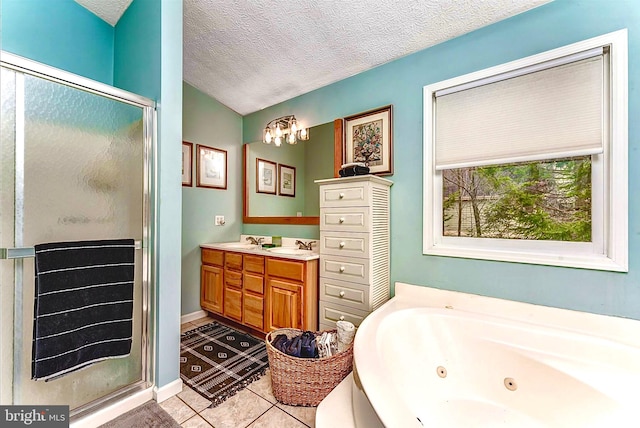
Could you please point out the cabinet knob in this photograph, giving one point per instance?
(341, 219)
(341, 269)
(342, 294)
(341, 317)
(341, 195)
(342, 244)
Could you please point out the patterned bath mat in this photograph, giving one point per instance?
(218, 361)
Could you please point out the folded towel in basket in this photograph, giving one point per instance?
(83, 304)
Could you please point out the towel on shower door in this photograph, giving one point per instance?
(83, 304)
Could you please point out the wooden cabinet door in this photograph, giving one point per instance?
(254, 311)
(233, 303)
(211, 288)
(284, 302)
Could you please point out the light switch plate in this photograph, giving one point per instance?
(219, 220)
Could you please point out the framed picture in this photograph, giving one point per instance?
(287, 180)
(211, 167)
(187, 158)
(368, 139)
(266, 176)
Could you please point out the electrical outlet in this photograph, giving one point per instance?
(219, 221)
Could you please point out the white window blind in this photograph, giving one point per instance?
(552, 113)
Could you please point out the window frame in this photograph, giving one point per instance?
(609, 247)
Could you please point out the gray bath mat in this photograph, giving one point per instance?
(149, 415)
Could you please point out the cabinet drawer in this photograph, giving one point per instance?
(343, 195)
(285, 269)
(212, 257)
(345, 293)
(351, 244)
(254, 283)
(330, 313)
(354, 219)
(254, 264)
(345, 269)
(233, 279)
(233, 261)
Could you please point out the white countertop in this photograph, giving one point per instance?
(242, 247)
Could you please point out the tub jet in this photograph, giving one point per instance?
(442, 372)
(510, 384)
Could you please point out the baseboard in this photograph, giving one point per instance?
(192, 316)
(107, 414)
(169, 390)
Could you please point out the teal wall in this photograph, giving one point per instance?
(206, 121)
(169, 191)
(400, 83)
(136, 62)
(59, 33)
(147, 60)
(319, 164)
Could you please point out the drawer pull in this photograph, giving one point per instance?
(341, 219)
(341, 317)
(341, 269)
(341, 195)
(342, 294)
(342, 245)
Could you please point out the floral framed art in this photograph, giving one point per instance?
(286, 180)
(368, 139)
(187, 159)
(211, 167)
(266, 177)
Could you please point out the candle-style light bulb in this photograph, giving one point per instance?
(267, 137)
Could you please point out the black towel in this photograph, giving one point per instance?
(83, 304)
(350, 171)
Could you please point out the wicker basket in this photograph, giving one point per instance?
(305, 381)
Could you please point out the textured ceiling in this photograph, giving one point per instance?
(251, 54)
(108, 10)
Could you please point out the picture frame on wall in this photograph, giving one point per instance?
(187, 159)
(368, 138)
(286, 180)
(211, 167)
(266, 178)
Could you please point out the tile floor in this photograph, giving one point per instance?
(253, 407)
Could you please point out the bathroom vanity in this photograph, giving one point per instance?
(260, 289)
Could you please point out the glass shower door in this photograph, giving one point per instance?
(72, 168)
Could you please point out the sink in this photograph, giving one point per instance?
(286, 250)
(239, 245)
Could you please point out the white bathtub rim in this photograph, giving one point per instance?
(617, 329)
(388, 404)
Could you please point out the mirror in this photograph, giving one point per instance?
(312, 159)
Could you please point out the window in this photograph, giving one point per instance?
(527, 161)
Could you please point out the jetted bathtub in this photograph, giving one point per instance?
(436, 358)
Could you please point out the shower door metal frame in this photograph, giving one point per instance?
(24, 66)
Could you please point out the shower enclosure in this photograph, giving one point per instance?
(75, 164)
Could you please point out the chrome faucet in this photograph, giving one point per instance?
(255, 241)
(305, 245)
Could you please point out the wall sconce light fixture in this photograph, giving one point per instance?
(285, 128)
